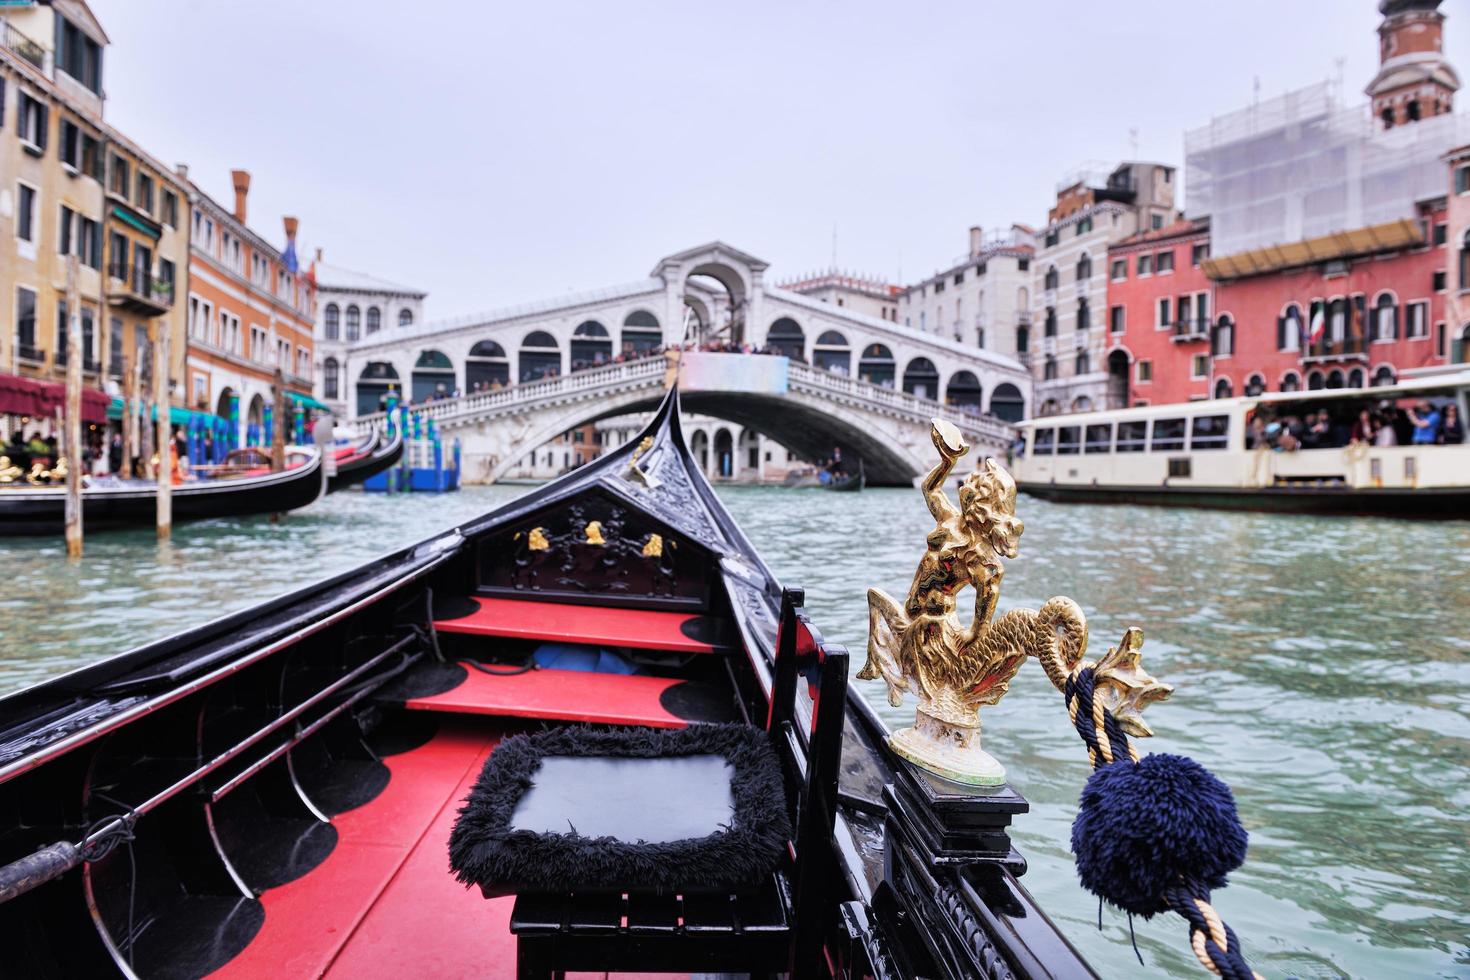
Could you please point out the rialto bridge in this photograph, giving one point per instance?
(508, 381)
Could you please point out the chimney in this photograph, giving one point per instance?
(182, 169)
(976, 234)
(241, 179)
(291, 225)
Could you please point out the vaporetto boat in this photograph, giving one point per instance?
(1260, 453)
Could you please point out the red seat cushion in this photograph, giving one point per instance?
(644, 629)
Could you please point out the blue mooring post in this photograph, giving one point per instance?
(267, 425)
(298, 425)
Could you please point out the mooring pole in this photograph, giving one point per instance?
(73, 434)
(164, 437)
(278, 425)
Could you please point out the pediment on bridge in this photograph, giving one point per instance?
(713, 253)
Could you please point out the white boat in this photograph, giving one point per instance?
(1260, 453)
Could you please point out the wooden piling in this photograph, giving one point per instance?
(278, 424)
(72, 436)
(164, 438)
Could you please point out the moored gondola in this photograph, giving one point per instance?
(848, 482)
(369, 458)
(31, 510)
(276, 792)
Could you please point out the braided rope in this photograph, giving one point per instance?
(1213, 941)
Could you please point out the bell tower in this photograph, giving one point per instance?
(1414, 80)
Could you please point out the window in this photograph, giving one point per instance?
(1084, 268)
(1082, 364)
(354, 323)
(1441, 233)
(70, 151)
(405, 317)
(1291, 381)
(1385, 319)
(1043, 442)
(1069, 439)
(25, 213)
(1164, 262)
(144, 200)
(330, 328)
(1289, 329)
(78, 55)
(1418, 320)
(1145, 265)
(121, 176)
(1052, 237)
(1462, 179)
(1119, 271)
(1023, 265)
(1209, 432)
(1051, 321)
(1438, 279)
(1198, 253)
(1084, 225)
(1162, 319)
(1132, 436)
(92, 157)
(114, 348)
(89, 340)
(1117, 319)
(1222, 342)
(1084, 315)
(374, 319)
(61, 331)
(1051, 278)
(64, 239)
(1049, 369)
(166, 276)
(1179, 467)
(959, 277)
(171, 209)
(30, 122)
(1254, 385)
(1199, 367)
(89, 241)
(1098, 438)
(117, 258)
(1168, 435)
(1156, 222)
(329, 377)
(25, 323)
(1182, 306)
(1145, 371)
(257, 345)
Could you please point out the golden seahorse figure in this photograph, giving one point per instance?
(921, 645)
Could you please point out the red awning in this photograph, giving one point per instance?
(41, 399)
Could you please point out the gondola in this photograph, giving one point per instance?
(279, 792)
(848, 483)
(366, 459)
(30, 510)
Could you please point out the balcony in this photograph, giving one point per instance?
(89, 365)
(27, 48)
(1186, 331)
(1344, 349)
(139, 292)
(30, 354)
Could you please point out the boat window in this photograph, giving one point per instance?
(1099, 438)
(1069, 439)
(1179, 466)
(1168, 434)
(1132, 436)
(1044, 442)
(1209, 432)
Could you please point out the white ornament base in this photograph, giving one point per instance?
(951, 752)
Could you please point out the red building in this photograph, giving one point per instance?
(1159, 316)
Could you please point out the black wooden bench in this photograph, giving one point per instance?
(775, 928)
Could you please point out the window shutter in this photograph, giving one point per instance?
(1281, 322)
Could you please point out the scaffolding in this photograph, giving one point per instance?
(1302, 165)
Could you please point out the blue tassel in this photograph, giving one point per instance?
(1142, 827)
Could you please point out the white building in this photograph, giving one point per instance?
(868, 295)
(982, 300)
(354, 307)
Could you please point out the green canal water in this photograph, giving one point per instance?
(1321, 667)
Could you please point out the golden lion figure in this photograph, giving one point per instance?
(922, 645)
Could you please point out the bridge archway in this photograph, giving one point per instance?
(724, 453)
(591, 345)
(1007, 403)
(921, 378)
(433, 376)
(540, 357)
(376, 381)
(964, 391)
(876, 366)
(832, 353)
(486, 367)
(787, 337)
(641, 332)
(699, 447)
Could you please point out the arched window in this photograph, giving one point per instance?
(405, 317)
(331, 327)
(1222, 343)
(378, 380)
(876, 365)
(1461, 348)
(1006, 402)
(1084, 268)
(1335, 378)
(329, 378)
(486, 368)
(1289, 329)
(1355, 378)
(1385, 318)
(1051, 321)
(1023, 339)
(539, 357)
(354, 323)
(1223, 388)
(1049, 370)
(1291, 381)
(1023, 298)
(1316, 380)
(786, 337)
(831, 353)
(374, 319)
(1465, 261)
(963, 391)
(1084, 314)
(640, 332)
(433, 376)
(1254, 385)
(1082, 364)
(1051, 277)
(921, 378)
(591, 345)
(1383, 377)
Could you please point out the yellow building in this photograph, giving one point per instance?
(71, 185)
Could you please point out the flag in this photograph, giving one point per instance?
(1319, 323)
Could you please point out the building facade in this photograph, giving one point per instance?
(868, 295)
(1069, 337)
(983, 299)
(250, 312)
(352, 308)
(74, 186)
(1456, 343)
(1414, 80)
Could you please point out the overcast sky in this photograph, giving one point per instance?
(494, 153)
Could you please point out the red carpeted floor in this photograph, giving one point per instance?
(562, 695)
(644, 629)
(384, 904)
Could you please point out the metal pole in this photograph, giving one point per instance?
(278, 425)
(163, 438)
(73, 434)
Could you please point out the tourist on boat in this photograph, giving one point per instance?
(1451, 429)
(1425, 419)
(1364, 428)
(1386, 434)
(19, 454)
(1318, 434)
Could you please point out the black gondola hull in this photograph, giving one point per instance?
(380, 457)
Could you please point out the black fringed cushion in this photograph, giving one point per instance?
(581, 808)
